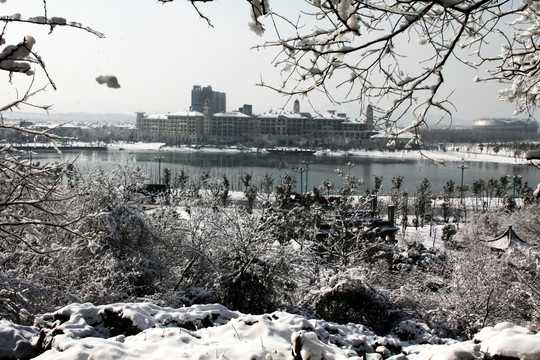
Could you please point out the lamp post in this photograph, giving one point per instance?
(301, 169)
(515, 177)
(159, 158)
(307, 174)
(462, 166)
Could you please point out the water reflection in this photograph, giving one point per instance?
(234, 165)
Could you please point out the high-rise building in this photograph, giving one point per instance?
(246, 109)
(199, 95)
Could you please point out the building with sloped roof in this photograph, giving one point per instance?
(277, 126)
(509, 241)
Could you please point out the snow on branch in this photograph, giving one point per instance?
(259, 8)
(19, 58)
(110, 80)
(357, 51)
(52, 22)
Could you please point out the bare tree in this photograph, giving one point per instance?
(29, 190)
(21, 57)
(34, 203)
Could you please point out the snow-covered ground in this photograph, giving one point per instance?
(147, 331)
(456, 153)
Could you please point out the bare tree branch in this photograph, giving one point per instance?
(364, 44)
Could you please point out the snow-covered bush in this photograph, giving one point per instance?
(34, 218)
(255, 271)
(416, 332)
(448, 231)
(224, 254)
(483, 288)
(120, 238)
(108, 254)
(351, 299)
(417, 257)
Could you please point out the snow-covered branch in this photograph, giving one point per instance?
(357, 51)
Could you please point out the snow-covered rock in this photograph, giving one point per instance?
(148, 331)
(18, 341)
(509, 341)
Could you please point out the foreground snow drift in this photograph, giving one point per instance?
(147, 331)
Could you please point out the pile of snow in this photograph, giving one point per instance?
(148, 331)
(509, 341)
(110, 80)
(18, 341)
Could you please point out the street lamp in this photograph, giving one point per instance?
(303, 186)
(159, 158)
(516, 177)
(301, 169)
(462, 166)
(307, 174)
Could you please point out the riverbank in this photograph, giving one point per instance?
(453, 153)
(450, 153)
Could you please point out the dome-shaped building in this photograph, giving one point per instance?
(502, 124)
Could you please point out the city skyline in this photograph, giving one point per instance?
(158, 51)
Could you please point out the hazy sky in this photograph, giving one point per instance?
(159, 51)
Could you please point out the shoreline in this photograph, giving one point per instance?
(458, 152)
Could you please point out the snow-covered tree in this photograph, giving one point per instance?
(448, 196)
(422, 202)
(29, 190)
(36, 211)
(86, 241)
(35, 217)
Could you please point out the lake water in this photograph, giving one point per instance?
(234, 165)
